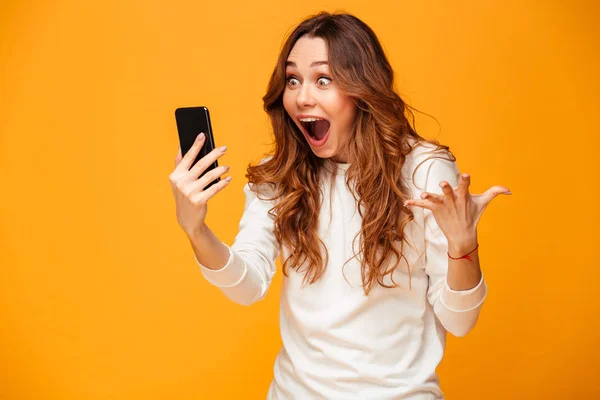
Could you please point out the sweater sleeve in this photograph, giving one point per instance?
(457, 311)
(249, 271)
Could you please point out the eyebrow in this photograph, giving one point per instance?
(314, 64)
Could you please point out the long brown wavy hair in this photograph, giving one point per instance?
(378, 148)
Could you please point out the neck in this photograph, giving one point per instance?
(338, 160)
(341, 159)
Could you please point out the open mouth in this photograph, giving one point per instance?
(316, 128)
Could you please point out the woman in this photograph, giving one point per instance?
(376, 227)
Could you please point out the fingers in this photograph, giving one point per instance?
(427, 204)
(434, 198)
(206, 161)
(447, 189)
(200, 184)
(463, 185)
(178, 158)
(187, 161)
(213, 190)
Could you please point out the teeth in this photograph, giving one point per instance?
(310, 119)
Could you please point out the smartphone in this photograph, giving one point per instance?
(191, 121)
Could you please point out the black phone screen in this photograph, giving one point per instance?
(190, 122)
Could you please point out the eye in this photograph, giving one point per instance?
(323, 81)
(293, 81)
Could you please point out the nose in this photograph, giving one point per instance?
(305, 96)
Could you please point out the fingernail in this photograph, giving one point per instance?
(200, 136)
(223, 149)
(228, 179)
(509, 192)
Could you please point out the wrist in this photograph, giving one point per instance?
(198, 232)
(460, 247)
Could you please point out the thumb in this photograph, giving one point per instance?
(492, 192)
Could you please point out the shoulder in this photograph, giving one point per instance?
(422, 151)
(427, 164)
(262, 191)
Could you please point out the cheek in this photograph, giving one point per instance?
(346, 110)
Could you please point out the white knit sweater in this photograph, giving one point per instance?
(337, 342)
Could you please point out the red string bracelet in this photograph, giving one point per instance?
(466, 256)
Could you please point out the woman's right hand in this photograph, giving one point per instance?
(190, 197)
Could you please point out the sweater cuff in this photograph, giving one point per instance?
(463, 300)
(230, 275)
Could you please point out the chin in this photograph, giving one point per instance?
(324, 152)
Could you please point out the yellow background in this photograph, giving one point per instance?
(99, 294)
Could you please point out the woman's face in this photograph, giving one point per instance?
(312, 99)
